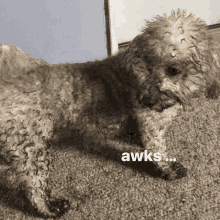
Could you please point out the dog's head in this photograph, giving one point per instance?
(179, 59)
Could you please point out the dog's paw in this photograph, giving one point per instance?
(59, 207)
(173, 171)
(53, 208)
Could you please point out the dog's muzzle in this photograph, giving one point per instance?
(160, 101)
(173, 91)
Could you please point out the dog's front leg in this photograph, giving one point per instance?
(152, 127)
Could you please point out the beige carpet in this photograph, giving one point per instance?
(99, 186)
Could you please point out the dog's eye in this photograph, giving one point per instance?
(173, 71)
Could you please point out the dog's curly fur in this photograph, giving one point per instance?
(163, 68)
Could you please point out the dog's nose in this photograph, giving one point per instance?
(148, 101)
(151, 103)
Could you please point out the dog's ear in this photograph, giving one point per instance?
(213, 90)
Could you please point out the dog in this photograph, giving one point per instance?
(152, 81)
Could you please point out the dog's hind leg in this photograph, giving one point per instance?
(24, 147)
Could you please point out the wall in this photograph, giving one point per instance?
(57, 31)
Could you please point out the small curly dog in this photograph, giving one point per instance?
(151, 81)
